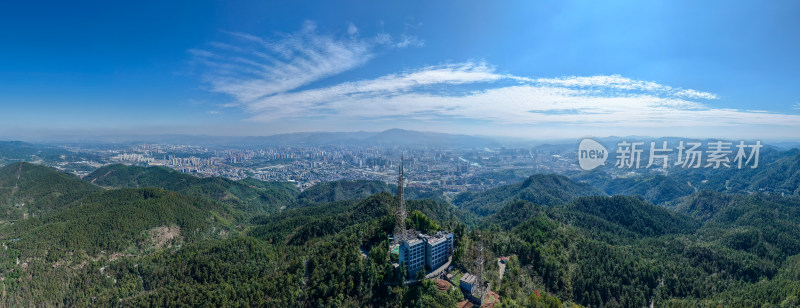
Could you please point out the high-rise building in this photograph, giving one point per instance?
(438, 249)
(421, 251)
(412, 253)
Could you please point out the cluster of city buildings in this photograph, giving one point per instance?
(446, 169)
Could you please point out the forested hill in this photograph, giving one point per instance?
(248, 195)
(341, 190)
(32, 190)
(616, 216)
(358, 189)
(778, 172)
(633, 214)
(198, 242)
(41, 256)
(539, 189)
(704, 204)
(299, 225)
(658, 189)
(759, 223)
(781, 176)
(114, 220)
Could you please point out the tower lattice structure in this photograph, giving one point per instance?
(400, 217)
(479, 289)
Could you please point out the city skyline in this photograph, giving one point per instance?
(532, 70)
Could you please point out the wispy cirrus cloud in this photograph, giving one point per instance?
(438, 92)
(267, 79)
(254, 67)
(621, 83)
(310, 102)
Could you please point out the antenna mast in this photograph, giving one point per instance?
(400, 223)
(478, 290)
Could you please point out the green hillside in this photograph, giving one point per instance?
(297, 226)
(247, 195)
(609, 218)
(342, 190)
(201, 244)
(781, 176)
(358, 189)
(105, 226)
(704, 204)
(539, 189)
(633, 214)
(778, 172)
(114, 220)
(28, 190)
(658, 189)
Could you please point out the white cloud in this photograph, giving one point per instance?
(255, 67)
(689, 93)
(622, 83)
(269, 79)
(797, 106)
(432, 94)
(305, 102)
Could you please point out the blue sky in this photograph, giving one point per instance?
(527, 69)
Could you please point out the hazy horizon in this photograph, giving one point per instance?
(210, 138)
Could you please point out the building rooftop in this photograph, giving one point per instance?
(414, 241)
(413, 237)
(438, 237)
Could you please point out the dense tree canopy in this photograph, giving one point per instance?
(170, 239)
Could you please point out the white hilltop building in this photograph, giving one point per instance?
(417, 251)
